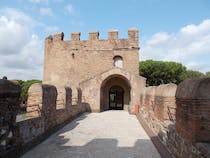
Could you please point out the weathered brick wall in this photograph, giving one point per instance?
(93, 90)
(159, 101)
(9, 107)
(56, 109)
(193, 110)
(148, 98)
(22, 133)
(61, 98)
(181, 135)
(30, 129)
(168, 135)
(49, 105)
(164, 108)
(76, 60)
(34, 103)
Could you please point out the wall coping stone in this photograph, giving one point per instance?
(8, 87)
(194, 89)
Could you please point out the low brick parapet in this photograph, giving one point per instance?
(193, 110)
(160, 101)
(9, 107)
(49, 107)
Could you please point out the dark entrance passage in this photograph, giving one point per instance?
(115, 93)
(116, 98)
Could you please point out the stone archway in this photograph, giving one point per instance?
(115, 93)
(96, 89)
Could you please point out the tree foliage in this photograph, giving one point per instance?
(160, 72)
(4, 77)
(25, 86)
(191, 74)
(208, 74)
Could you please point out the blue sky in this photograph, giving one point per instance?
(170, 30)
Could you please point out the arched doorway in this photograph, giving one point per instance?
(115, 93)
(116, 98)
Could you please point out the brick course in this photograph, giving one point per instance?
(17, 135)
(76, 60)
(186, 135)
(9, 107)
(193, 110)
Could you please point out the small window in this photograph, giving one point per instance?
(118, 61)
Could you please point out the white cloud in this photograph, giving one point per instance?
(10, 42)
(21, 53)
(16, 15)
(158, 38)
(46, 11)
(69, 8)
(186, 46)
(200, 29)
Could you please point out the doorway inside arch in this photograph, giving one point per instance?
(115, 93)
(116, 98)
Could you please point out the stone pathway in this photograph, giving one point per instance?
(110, 134)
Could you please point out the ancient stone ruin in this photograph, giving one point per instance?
(95, 75)
(102, 69)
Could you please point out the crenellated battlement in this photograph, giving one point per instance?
(75, 36)
(60, 98)
(75, 60)
(94, 36)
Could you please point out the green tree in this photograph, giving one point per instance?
(4, 77)
(160, 72)
(25, 86)
(20, 82)
(208, 74)
(191, 74)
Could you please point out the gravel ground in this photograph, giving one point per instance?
(110, 134)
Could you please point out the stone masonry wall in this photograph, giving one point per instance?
(193, 110)
(174, 132)
(19, 134)
(9, 107)
(92, 88)
(34, 104)
(159, 101)
(77, 60)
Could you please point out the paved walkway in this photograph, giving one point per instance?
(111, 134)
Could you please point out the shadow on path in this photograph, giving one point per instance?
(71, 142)
(97, 148)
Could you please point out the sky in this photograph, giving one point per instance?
(170, 30)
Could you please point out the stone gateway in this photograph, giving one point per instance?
(100, 75)
(106, 71)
